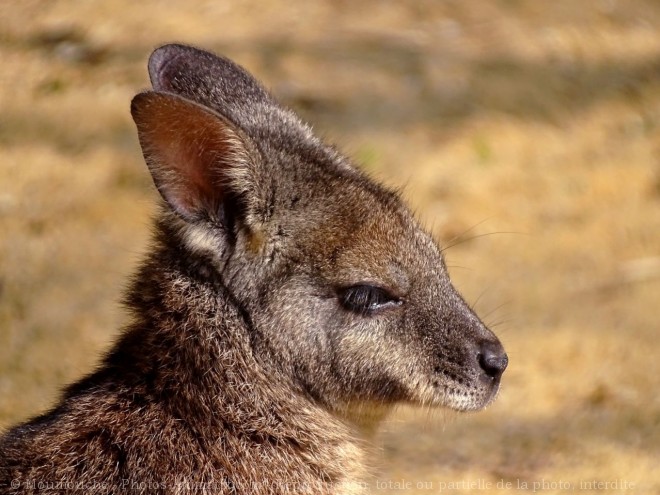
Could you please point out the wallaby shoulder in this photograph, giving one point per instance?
(183, 379)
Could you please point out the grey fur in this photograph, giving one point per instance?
(288, 302)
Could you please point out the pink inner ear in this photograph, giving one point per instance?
(189, 151)
(187, 167)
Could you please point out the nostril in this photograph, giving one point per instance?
(493, 360)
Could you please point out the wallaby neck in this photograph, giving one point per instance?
(198, 337)
(191, 346)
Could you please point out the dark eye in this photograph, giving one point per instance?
(365, 299)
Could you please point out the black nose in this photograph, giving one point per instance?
(492, 359)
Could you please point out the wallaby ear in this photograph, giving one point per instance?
(199, 162)
(208, 79)
(224, 86)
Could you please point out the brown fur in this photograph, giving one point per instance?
(287, 304)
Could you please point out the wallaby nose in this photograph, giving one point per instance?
(492, 359)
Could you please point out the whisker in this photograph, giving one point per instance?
(473, 305)
(496, 308)
(458, 236)
(500, 322)
(461, 241)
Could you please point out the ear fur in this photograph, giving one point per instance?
(224, 86)
(200, 163)
(211, 80)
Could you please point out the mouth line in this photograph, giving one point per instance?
(458, 396)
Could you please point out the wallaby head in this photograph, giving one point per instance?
(348, 299)
(287, 303)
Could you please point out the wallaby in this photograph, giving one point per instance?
(287, 304)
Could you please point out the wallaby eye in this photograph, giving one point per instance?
(366, 299)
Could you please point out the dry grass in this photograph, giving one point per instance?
(536, 122)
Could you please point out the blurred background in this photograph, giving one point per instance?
(526, 133)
